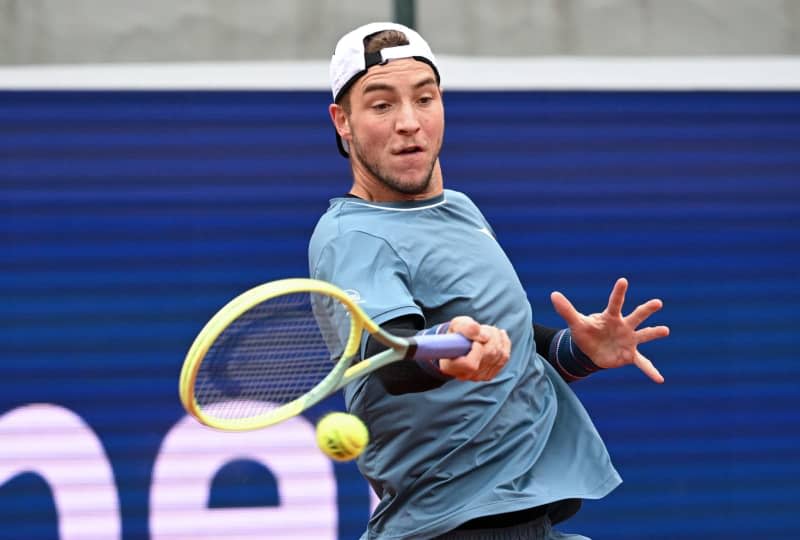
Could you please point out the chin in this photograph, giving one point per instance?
(414, 187)
(415, 175)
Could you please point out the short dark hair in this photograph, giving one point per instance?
(383, 39)
(372, 44)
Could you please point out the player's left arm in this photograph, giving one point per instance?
(607, 339)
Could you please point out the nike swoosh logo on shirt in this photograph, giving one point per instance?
(485, 230)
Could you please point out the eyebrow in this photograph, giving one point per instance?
(378, 86)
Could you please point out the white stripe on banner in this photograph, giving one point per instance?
(458, 73)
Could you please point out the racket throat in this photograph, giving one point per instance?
(411, 349)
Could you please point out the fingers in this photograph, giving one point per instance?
(565, 308)
(643, 311)
(617, 297)
(467, 327)
(651, 332)
(494, 354)
(491, 349)
(463, 367)
(648, 368)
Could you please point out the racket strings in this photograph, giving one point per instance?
(270, 355)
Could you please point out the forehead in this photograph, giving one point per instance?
(399, 74)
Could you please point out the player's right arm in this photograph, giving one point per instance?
(410, 377)
(490, 352)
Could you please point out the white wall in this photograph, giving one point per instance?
(114, 31)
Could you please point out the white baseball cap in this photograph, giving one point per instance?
(350, 61)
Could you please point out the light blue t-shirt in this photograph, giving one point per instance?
(444, 456)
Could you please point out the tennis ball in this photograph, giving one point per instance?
(342, 436)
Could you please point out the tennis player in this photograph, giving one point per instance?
(493, 444)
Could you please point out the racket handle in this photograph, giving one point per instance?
(437, 346)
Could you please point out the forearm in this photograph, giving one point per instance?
(554, 345)
(543, 336)
(408, 376)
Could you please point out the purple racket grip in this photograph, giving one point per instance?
(435, 346)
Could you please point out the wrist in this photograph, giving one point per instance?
(569, 359)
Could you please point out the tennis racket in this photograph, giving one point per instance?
(279, 348)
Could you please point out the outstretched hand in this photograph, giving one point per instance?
(610, 339)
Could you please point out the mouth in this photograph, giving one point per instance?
(408, 150)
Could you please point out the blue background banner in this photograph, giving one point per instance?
(128, 218)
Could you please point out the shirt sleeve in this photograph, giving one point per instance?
(371, 272)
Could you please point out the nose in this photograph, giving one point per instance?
(407, 120)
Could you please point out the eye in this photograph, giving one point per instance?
(425, 100)
(380, 106)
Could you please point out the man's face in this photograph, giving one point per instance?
(396, 125)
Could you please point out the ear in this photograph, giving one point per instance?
(340, 121)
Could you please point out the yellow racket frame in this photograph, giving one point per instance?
(340, 374)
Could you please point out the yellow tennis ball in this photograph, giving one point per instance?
(342, 436)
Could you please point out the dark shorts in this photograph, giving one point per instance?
(539, 529)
